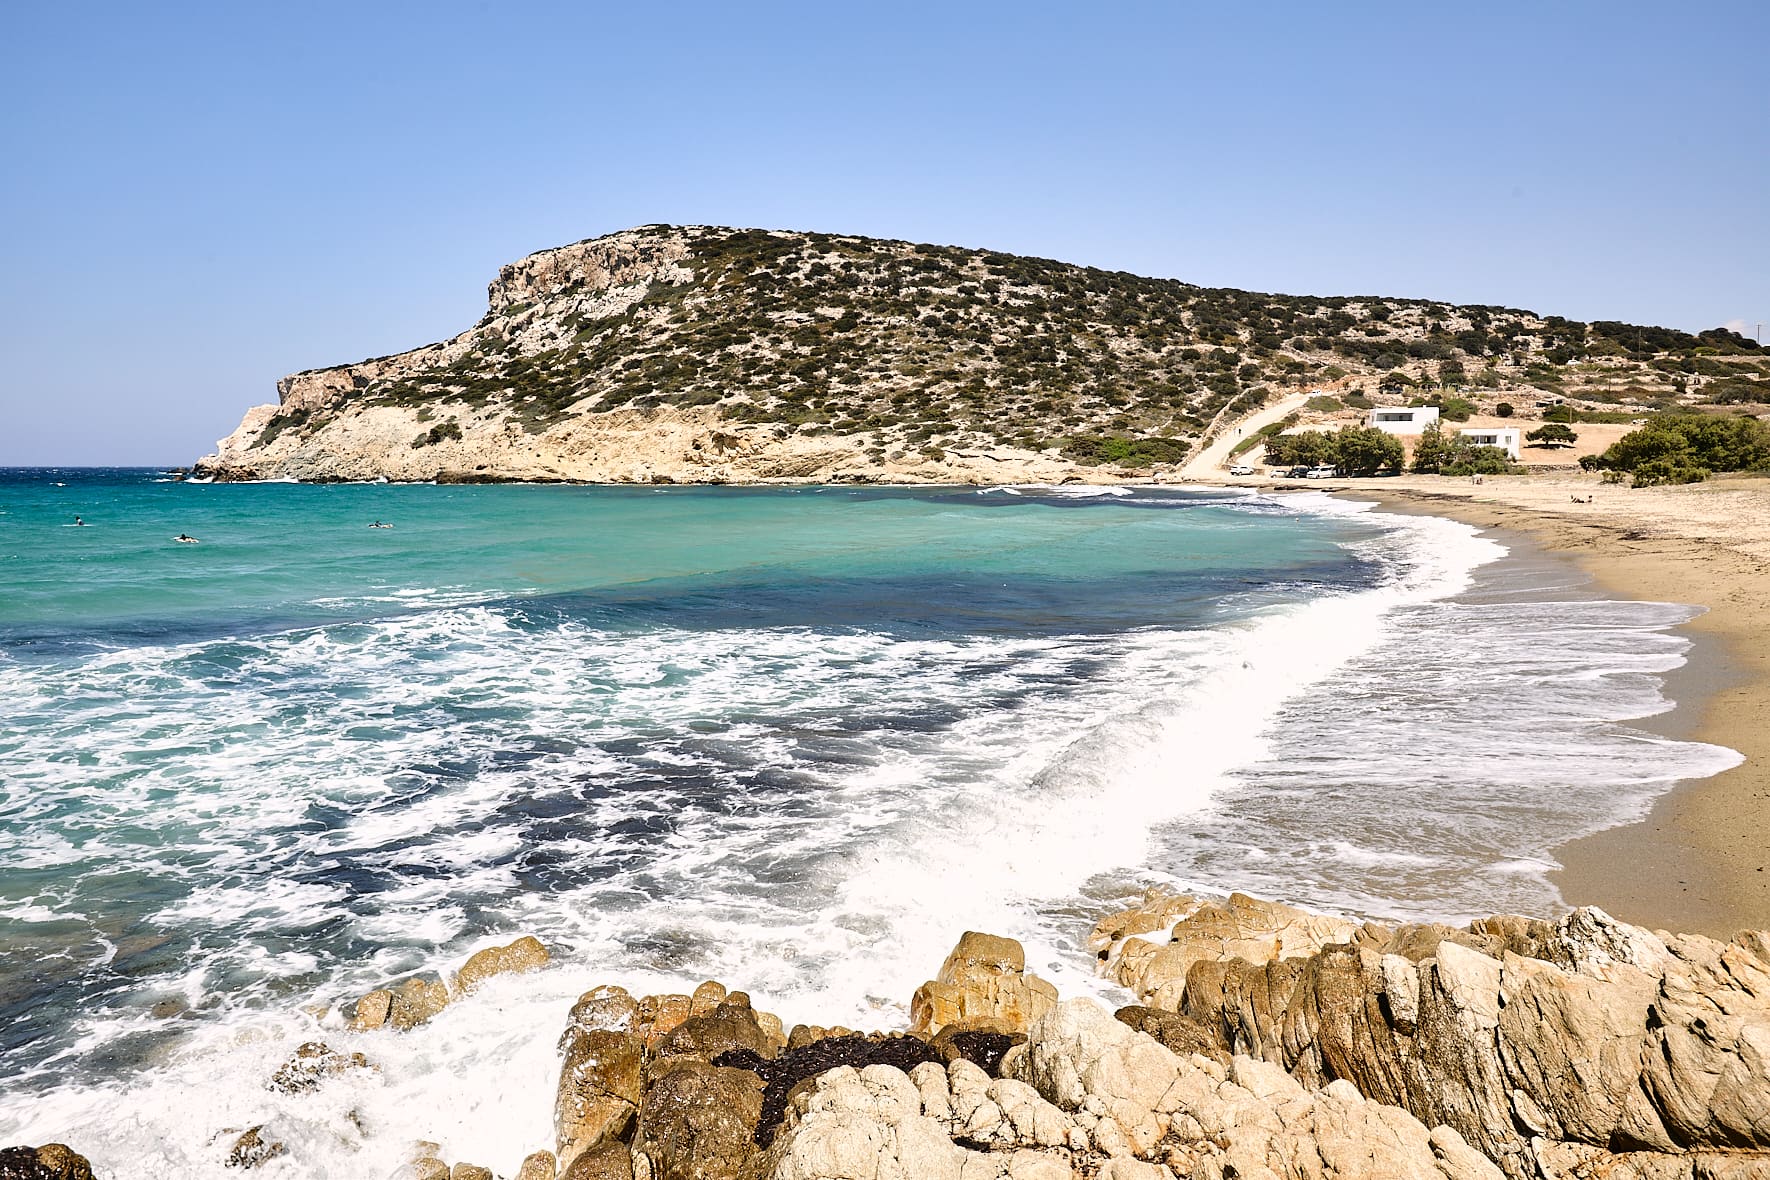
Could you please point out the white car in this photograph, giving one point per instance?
(1241, 469)
(1322, 473)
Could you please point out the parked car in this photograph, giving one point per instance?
(1296, 473)
(1241, 469)
(1322, 473)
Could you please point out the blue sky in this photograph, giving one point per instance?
(200, 198)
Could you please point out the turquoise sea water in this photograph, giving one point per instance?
(793, 738)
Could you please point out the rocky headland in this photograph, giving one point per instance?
(701, 354)
(1266, 1042)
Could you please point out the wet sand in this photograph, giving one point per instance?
(1700, 861)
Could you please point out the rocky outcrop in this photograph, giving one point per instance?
(419, 998)
(1294, 1047)
(1549, 1046)
(983, 984)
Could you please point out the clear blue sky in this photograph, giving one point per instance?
(199, 198)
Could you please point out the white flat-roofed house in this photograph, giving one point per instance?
(1404, 419)
(1507, 438)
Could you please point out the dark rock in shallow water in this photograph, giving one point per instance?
(21, 1163)
(52, 1161)
(252, 1149)
(796, 1065)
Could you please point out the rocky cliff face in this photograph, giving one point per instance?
(705, 354)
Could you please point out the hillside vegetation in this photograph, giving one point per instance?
(904, 347)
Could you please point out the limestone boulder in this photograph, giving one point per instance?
(1139, 1101)
(698, 1122)
(601, 1083)
(606, 1161)
(730, 1025)
(525, 954)
(539, 1165)
(868, 1124)
(983, 979)
(406, 1006)
(312, 1064)
(1582, 1034)
(1239, 927)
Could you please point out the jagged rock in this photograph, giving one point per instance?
(252, 1149)
(660, 1015)
(541, 1165)
(983, 1042)
(787, 1071)
(706, 997)
(63, 1162)
(312, 1064)
(1250, 1119)
(425, 1167)
(731, 1025)
(600, 1087)
(469, 1172)
(868, 1125)
(1158, 911)
(1181, 1034)
(411, 1004)
(52, 1161)
(525, 954)
(698, 1121)
(606, 1161)
(1580, 1031)
(1239, 927)
(984, 978)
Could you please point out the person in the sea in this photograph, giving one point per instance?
(185, 539)
(79, 522)
(380, 525)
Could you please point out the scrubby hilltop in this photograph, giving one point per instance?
(709, 354)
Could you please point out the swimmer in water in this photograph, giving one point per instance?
(185, 539)
(380, 525)
(79, 522)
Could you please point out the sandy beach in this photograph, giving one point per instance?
(1701, 860)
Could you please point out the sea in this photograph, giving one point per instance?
(796, 739)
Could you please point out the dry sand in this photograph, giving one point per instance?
(1701, 860)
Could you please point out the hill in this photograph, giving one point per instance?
(709, 354)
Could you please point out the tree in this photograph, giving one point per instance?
(1503, 410)
(1433, 451)
(1365, 450)
(1552, 435)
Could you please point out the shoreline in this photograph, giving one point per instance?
(1696, 861)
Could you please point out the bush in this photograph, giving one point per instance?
(1503, 410)
(1666, 471)
(1480, 461)
(1685, 448)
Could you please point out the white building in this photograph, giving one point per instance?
(1506, 438)
(1404, 419)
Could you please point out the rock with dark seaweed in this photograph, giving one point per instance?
(52, 1161)
(808, 1061)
